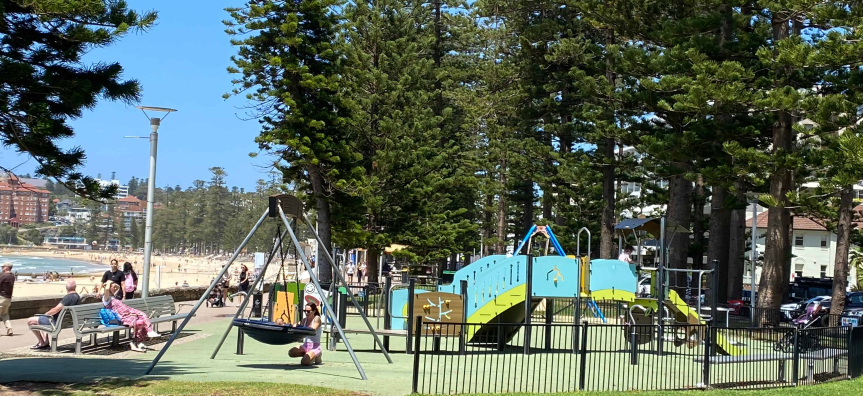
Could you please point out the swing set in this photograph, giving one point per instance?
(282, 207)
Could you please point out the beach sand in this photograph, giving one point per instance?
(195, 270)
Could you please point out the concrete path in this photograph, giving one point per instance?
(189, 360)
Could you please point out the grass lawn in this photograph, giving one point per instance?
(182, 388)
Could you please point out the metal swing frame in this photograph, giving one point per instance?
(277, 208)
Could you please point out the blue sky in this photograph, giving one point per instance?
(181, 64)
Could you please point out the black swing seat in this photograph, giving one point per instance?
(272, 333)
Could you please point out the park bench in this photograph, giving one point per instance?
(64, 321)
(809, 357)
(86, 320)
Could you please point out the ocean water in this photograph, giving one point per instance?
(38, 265)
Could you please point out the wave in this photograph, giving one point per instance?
(35, 258)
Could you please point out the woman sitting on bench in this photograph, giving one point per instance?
(130, 317)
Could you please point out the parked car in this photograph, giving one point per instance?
(741, 307)
(793, 310)
(853, 312)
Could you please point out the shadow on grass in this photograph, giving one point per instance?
(68, 369)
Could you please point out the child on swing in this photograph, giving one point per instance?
(310, 351)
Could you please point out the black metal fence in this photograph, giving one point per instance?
(557, 357)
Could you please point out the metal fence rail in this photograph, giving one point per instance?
(564, 357)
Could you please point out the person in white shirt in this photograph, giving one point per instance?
(350, 271)
(626, 256)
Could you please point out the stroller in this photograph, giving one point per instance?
(805, 340)
(215, 298)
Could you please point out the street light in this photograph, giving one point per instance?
(151, 188)
(753, 199)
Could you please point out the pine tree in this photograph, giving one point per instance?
(289, 67)
(43, 42)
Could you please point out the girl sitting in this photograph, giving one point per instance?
(310, 351)
(130, 317)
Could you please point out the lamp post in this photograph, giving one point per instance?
(753, 255)
(155, 122)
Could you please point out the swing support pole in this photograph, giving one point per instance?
(351, 297)
(206, 294)
(324, 301)
(245, 302)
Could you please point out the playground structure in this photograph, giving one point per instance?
(501, 289)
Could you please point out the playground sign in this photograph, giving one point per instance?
(436, 308)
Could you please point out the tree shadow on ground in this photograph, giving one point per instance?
(74, 370)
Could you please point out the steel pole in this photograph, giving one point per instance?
(151, 195)
(328, 308)
(258, 281)
(206, 293)
(337, 276)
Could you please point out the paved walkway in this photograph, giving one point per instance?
(189, 360)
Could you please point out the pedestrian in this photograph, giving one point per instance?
(244, 281)
(361, 271)
(7, 282)
(130, 284)
(350, 270)
(116, 276)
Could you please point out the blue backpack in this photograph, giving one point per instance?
(109, 318)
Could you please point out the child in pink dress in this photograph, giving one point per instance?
(131, 317)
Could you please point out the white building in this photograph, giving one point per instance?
(78, 214)
(813, 248)
(122, 191)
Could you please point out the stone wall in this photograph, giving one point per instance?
(25, 307)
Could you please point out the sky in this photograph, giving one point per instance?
(181, 63)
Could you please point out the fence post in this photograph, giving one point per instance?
(240, 341)
(708, 346)
(549, 319)
(848, 350)
(633, 343)
(416, 369)
(461, 338)
(410, 319)
(576, 315)
(582, 357)
(388, 320)
(795, 367)
(528, 302)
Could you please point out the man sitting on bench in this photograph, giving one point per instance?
(71, 298)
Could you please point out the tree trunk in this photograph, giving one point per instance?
(843, 244)
(679, 211)
(778, 217)
(606, 241)
(698, 202)
(500, 247)
(324, 271)
(720, 235)
(527, 207)
(546, 205)
(373, 257)
(736, 248)
(487, 226)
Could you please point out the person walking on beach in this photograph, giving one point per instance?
(7, 282)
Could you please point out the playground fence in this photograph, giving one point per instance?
(457, 358)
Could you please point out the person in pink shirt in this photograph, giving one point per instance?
(131, 317)
(626, 256)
